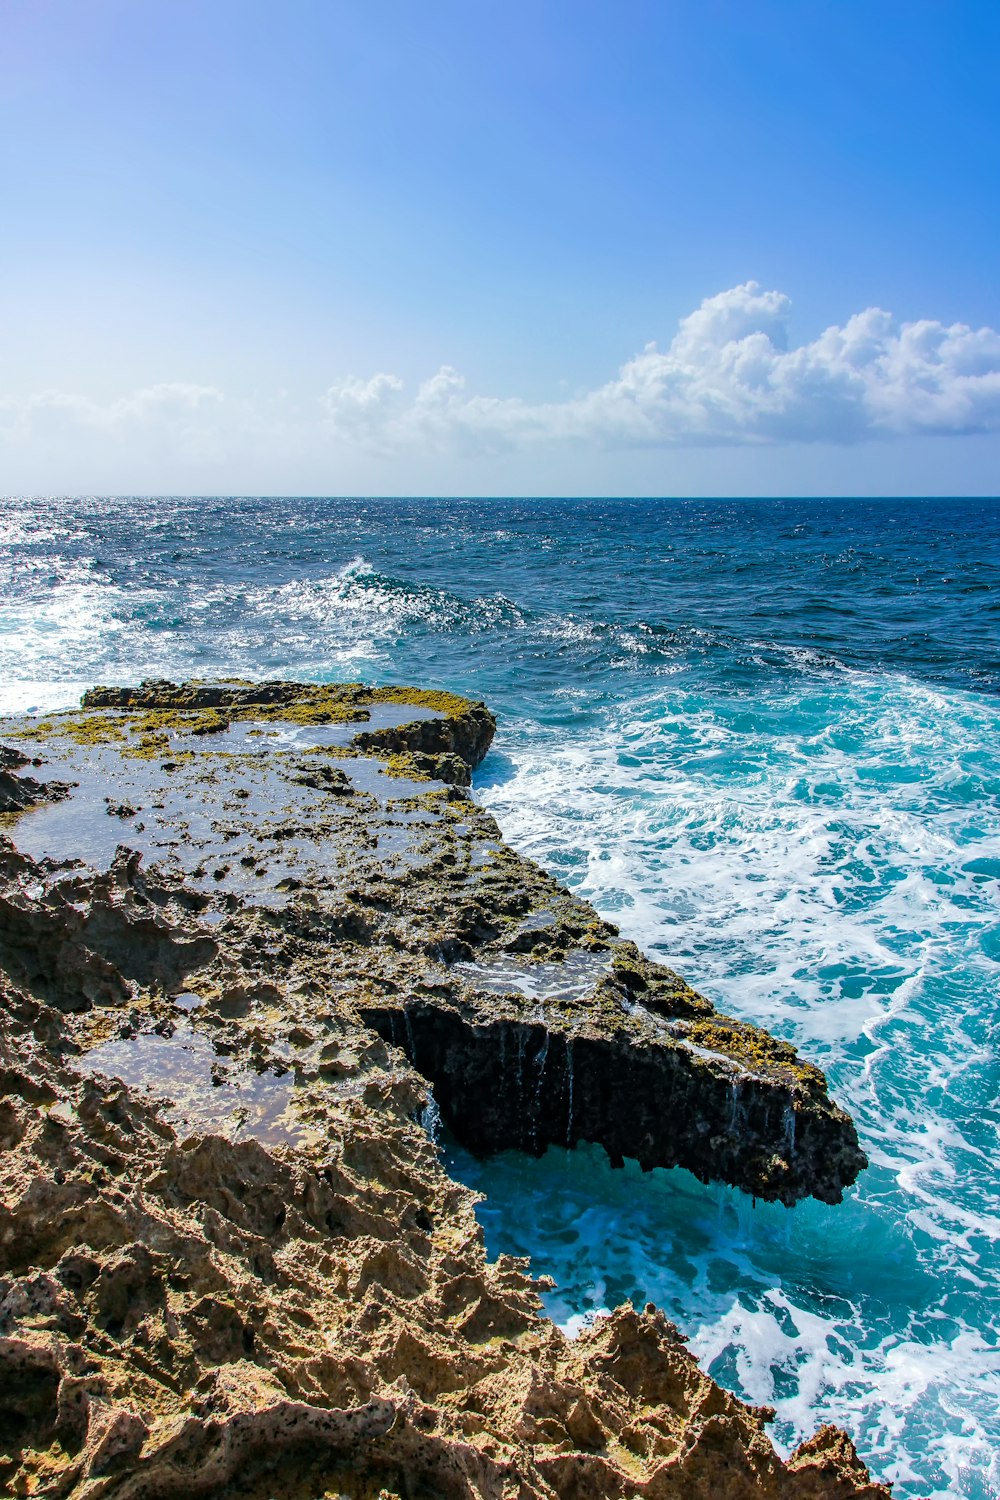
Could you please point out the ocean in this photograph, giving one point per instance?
(763, 737)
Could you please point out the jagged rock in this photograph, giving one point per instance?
(20, 792)
(231, 1262)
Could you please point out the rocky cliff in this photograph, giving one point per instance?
(241, 940)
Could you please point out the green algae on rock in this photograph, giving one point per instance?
(230, 1259)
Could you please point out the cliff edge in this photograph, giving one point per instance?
(245, 930)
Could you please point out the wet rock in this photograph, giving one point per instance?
(77, 953)
(19, 792)
(322, 778)
(231, 1262)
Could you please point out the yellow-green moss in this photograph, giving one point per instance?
(316, 706)
(179, 721)
(756, 1048)
(420, 801)
(305, 713)
(115, 726)
(335, 752)
(436, 798)
(155, 747)
(148, 747)
(88, 729)
(449, 704)
(402, 765)
(629, 964)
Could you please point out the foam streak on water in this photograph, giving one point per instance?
(820, 862)
(764, 738)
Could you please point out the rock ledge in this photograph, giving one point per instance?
(259, 922)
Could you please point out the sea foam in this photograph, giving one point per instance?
(816, 861)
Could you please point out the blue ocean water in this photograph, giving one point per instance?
(761, 736)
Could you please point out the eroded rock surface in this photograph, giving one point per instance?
(232, 961)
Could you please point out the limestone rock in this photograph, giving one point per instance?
(231, 1261)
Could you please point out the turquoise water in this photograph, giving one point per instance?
(763, 738)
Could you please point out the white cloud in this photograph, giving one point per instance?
(169, 403)
(727, 377)
(709, 413)
(57, 438)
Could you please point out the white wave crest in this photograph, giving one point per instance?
(822, 859)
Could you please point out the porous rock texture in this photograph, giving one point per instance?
(231, 1261)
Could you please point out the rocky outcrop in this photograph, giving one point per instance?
(454, 736)
(18, 792)
(231, 1261)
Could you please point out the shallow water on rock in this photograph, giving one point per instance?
(570, 978)
(206, 1092)
(230, 819)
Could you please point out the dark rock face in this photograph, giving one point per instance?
(519, 1085)
(19, 792)
(446, 749)
(231, 1262)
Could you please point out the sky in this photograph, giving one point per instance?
(472, 247)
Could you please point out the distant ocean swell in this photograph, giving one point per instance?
(765, 740)
(68, 621)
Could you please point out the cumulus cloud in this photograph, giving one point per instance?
(153, 437)
(170, 402)
(728, 376)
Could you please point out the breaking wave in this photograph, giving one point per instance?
(824, 861)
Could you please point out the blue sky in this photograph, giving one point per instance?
(242, 241)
